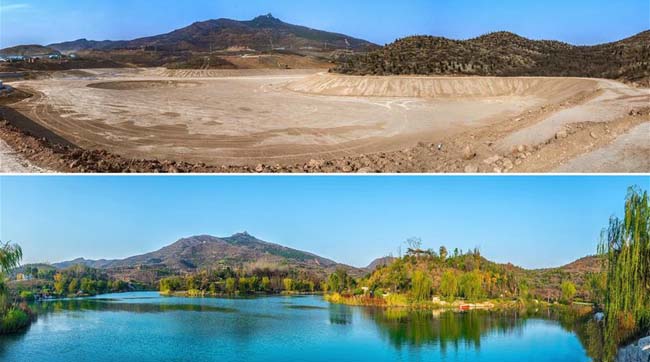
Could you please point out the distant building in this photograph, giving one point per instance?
(21, 276)
(15, 58)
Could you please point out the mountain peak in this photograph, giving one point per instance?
(260, 33)
(266, 20)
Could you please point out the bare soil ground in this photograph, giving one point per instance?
(159, 120)
(13, 162)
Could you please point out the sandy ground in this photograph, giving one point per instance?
(282, 117)
(628, 153)
(13, 162)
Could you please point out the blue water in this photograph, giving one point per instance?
(147, 327)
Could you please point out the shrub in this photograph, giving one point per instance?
(396, 300)
(335, 298)
(14, 320)
(27, 296)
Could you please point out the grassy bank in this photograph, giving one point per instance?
(403, 301)
(195, 293)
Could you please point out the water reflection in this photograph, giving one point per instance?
(340, 314)
(446, 329)
(121, 305)
(241, 324)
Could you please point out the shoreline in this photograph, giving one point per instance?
(437, 304)
(191, 294)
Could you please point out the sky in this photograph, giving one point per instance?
(380, 21)
(530, 221)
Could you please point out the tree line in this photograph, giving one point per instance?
(421, 274)
(226, 281)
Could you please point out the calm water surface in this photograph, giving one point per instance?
(147, 327)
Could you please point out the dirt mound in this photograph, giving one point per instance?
(142, 84)
(442, 87)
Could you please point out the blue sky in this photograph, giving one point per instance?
(530, 221)
(380, 21)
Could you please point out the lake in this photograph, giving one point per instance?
(147, 327)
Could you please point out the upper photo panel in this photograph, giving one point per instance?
(469, 86)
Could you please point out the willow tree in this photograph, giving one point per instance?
(626, 248)
(10, 256)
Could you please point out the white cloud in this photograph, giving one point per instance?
(10, 7)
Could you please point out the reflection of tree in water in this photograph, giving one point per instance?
(340, 314)
(448, 329)
(111, 305)
(240, 327)
(590, 332)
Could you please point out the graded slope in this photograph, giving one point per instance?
(242, 119)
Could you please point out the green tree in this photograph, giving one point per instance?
(420, 286)
(213, 288)
(333, 283)
(10, 256)
(471, 285)
(449, 285)
(244, 285)
(88, 286)
(568, 291)
(340, 281)
(231, 285)
(626, 249)
(288, 284)
(166, 285)
(265, 284)
(73, 287)
(524, 290)
(597, 284)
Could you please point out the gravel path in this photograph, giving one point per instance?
(12, 162)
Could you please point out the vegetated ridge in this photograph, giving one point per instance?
(28, 50)
(504, 54)
(243, 251)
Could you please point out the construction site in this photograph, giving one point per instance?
(275, 120)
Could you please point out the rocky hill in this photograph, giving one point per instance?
(263, 33)
(497, 279)
(380, 262)
(504, 54)
(201, 252)
(27, 50)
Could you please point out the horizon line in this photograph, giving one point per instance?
(337, 32)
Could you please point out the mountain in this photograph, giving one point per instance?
(97, 264)
(504, 54)
(380, 262)
(85, 44)
(27, 50)
(262, 33)
(239, 250)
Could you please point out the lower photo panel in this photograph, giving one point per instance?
(356, 268)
